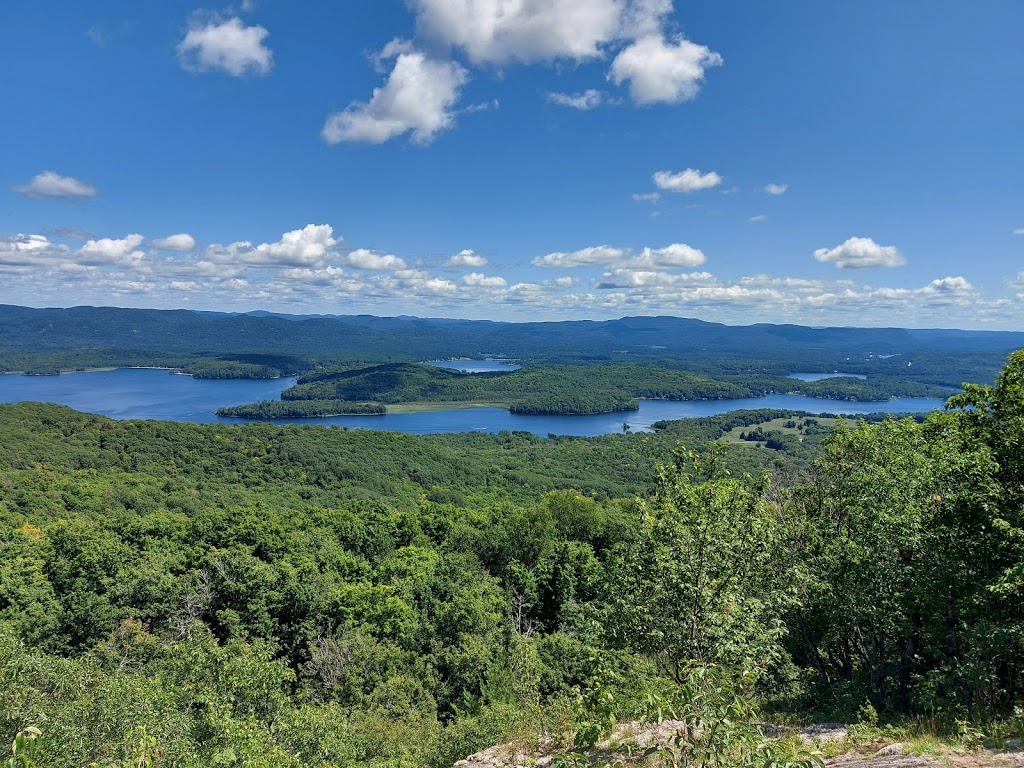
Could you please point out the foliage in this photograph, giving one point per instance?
(196, 595)
(548, 389)
(300, 409)
(706, 580)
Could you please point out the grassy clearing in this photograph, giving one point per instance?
(798, 427)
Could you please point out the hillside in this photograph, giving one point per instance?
(47, 339)
(195, 595)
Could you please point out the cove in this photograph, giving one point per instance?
(142, 393)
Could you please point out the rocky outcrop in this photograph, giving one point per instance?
(640, 737)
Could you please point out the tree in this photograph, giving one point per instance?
(704, 581)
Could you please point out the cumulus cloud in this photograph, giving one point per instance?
(861, 253)
(364, 258)
(639, 278)
(440, 285)
(179, 242)
(108, 250)
(690, 180)
(228, 45)
(50, 184)
(466, 258)
(23, 251)
(588, 99)
(947, 286)
(796, 283)
(662, 71)
(598, 254)
(421, 94)
(676, 255)
(525, 31)
(217, 270)
(776, 189)
(483, 281)
(418, 97)
(647, 197)
(300, 247)
(306, 247)
(325, 276)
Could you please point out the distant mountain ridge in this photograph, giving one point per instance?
(340, 338)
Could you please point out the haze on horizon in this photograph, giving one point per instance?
(801, 162)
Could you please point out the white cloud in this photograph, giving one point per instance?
(861, 253)
(111, 251)
(503, 31)
(418, 97)
(639, 278)
(565, 281)
(226, 45)
(671, 256)
(588, 99)
(425, 84)
(690, 180)
(483, 281)
(598, 254)
(946, 286)
(306, 247)
(364, 258)
(50, 184)
(21, 252)
(648, 197)
(1019, 231)
(300, 247)
(676, 255)
(120, 287)
(440, 285)
(759, 218)
(179, 242)
(776, 189)
(659, 71)
(410, 274)
(466, 258)
(217, 271)
(795, 283)
(644, 17)
(325, 276)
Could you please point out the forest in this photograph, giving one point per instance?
(548, 389)
(359, 364)
(176, 594)
(216, 344)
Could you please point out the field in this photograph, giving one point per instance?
(798, 427)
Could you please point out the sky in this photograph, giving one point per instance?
(798, 161)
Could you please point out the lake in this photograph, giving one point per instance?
(145, 393)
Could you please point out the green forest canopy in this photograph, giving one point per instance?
(308, 596)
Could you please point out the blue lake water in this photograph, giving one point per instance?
(140, 393)
(475, 366)
(820, 376)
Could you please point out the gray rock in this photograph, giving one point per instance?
(893, 749)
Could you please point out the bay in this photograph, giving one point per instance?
(144, 393)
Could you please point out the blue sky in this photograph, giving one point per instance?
(808, 162)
